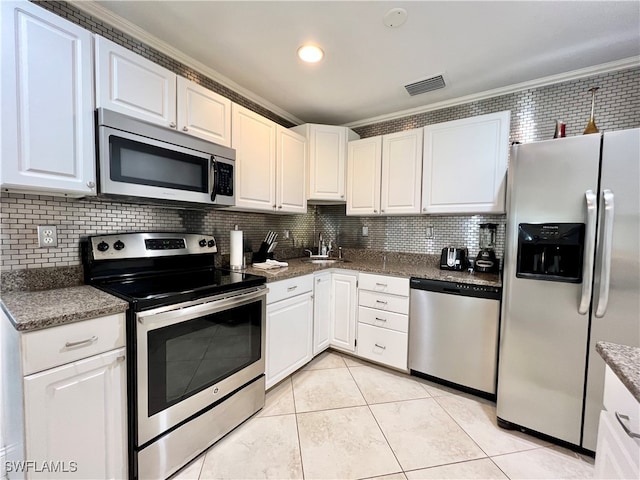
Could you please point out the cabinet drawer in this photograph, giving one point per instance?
(382, 346)
(289, 288)
(55, 346)
(389, 320)
(382, 301)
(384, 284)
(617, 398)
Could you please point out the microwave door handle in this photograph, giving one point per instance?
(589, 252)
(214, 178)
(605, 265)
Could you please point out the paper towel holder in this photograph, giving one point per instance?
(234, 246)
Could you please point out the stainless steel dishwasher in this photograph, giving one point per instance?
(453, 333)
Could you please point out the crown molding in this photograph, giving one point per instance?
(496, 92)
(96, 10)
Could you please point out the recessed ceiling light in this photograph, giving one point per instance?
(310, 53)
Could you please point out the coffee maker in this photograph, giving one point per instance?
(486, 261)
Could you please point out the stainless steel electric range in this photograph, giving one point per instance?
(195, 343)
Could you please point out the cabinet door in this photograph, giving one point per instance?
(321, 312)
(465, 165)
(343, 314)
(401, 172)
(47, 102)
(617, 454)
(254, 138)
(289, 336)
(203, 113)
(364, 160)
(132, 85)
(77, 412)
(291, 172)
(327, 162)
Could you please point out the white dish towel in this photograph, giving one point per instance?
(269, 264)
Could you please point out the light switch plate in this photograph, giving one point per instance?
(365, 231)
(47, 236)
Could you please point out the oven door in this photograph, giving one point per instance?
(192, 355)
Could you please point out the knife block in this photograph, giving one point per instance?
(261, 255)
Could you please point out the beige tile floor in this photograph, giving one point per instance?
(340, 418)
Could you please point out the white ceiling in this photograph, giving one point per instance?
(478, 46)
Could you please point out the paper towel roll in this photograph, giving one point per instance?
(236, 249)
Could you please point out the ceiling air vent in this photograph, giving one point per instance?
(427, 85)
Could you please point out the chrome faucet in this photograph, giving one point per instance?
(320, 243)
(309, 251)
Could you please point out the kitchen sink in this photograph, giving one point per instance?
(325, 261)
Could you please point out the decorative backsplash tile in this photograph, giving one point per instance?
(533, 115)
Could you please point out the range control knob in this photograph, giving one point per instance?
(211, 243)
(119, 245)
(202, 243)
(103, 246)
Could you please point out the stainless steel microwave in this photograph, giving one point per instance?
(137, 159)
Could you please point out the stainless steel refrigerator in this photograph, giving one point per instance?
(571, 279)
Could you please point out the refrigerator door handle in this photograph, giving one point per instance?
(605, 269)
(589, 252)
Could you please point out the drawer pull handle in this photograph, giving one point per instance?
(381, 284)
(626, 429)
(380, 301)
(292, 288)
(88, 341)
(381, 319)
(380, 346)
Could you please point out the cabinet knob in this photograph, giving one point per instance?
(91, 184)
(375, 211)
(185, 129)
(341, 196)
(172, 125)
(424, 209)
(279, 206)
(381, 211)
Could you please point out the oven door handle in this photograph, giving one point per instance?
(178, 315)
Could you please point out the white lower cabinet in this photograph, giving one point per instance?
(321, 312)
(383, 321)
(76, 413)
(289, 327)
(618, 451)
(66, 408)
(343, 314)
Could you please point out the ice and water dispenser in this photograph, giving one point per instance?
(551, 251)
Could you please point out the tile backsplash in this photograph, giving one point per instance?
(533, 115)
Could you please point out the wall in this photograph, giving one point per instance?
(533, 114)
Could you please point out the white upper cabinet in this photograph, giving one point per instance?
(364, 168)
(291, 168)
(327, 152)
(401, 172)
(465, 165)
(132, 85)
(47, 103)
(384, 174)
(270, 164)
(203, 113)
(254, 139)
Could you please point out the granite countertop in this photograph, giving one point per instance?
(394, 267)
(48, 308)
(625, 362)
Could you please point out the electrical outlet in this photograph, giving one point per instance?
(365, 231)
(47, 236)
(429, 231)
(285, 235)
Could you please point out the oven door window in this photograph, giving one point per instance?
(188, 357)
(144, 164)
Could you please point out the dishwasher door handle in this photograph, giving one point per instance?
(451, 290)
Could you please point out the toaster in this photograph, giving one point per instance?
(453, 258)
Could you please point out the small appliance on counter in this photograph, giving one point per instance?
(486, 261)
(453, 258)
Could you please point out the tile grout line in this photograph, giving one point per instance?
(377, 423)
(295, 413)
